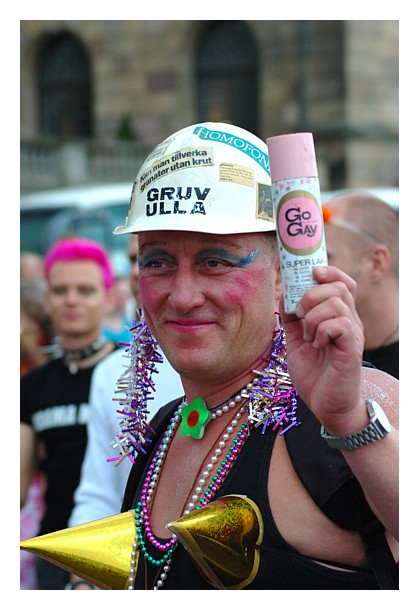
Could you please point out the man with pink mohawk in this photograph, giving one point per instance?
(55, 396)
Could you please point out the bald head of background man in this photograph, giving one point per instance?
(362, 238)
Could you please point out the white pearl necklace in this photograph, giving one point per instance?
(230, 403)
(202, 482)
(213, 461)
(198, 491)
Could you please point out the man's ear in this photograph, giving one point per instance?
(380, 262)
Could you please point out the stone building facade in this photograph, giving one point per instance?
(135, 82)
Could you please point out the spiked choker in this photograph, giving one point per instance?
(72, 358)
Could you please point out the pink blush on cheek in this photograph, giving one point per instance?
(243, 289)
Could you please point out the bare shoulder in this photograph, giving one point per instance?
(383, 388)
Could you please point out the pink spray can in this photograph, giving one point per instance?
(298, 211)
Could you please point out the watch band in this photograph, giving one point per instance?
(377, 429)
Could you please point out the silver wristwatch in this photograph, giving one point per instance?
(377, 429)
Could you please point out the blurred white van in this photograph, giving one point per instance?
(91, 211)
(388, 194)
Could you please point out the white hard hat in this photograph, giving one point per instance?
(210, 178)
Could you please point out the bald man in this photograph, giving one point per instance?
(362, 238)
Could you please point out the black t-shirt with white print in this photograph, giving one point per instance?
(55, 403)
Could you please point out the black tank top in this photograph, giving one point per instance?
(281, 566)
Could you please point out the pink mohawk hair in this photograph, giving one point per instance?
(80, 248)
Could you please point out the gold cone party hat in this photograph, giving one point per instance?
(222, 539)
(98, 551)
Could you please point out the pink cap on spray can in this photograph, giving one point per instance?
(292, 156)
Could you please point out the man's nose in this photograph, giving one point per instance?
(72, 296)
(186, 292)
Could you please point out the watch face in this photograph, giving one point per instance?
(377, 429)
(377, 415)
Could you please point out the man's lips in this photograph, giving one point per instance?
(71, 315)
(190, 325)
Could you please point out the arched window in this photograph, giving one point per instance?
(64, 88)
(227, 74)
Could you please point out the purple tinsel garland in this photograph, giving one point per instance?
(136, 383)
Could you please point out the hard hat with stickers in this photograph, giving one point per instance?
(210, 178)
